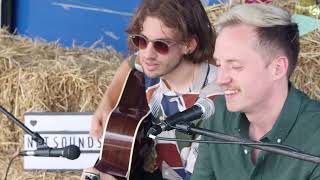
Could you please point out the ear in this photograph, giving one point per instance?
(280, 67)
(191, 45)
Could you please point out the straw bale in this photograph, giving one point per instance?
(41, 77)
(307, 74)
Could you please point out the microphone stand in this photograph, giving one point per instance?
(71, 152)
(35, 136)
(285, 150)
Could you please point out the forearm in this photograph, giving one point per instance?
(112, 94)
(109, 100)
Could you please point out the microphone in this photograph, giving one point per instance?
(71, 152)
(202, 109)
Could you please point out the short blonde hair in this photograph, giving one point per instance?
(275, 31)
(259, 15)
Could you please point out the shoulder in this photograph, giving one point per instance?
(135, 62)
(212, 72)
(309, 111)
(308, 120)
(308, 106)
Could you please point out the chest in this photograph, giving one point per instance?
(235, 162)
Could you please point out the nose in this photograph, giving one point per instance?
(223, 77)
(149, 51)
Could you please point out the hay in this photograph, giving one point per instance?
(307, 74)
(39, 77)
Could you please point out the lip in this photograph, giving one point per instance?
(151, 66)
(230, 94)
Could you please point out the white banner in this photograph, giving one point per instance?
(60, 130)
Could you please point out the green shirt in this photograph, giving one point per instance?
(297, 126)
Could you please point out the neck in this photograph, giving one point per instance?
(265, 115)
(182, 77)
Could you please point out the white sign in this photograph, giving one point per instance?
(60, 130)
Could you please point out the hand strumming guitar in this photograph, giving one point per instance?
(109, 100)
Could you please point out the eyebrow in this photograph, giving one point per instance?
(159, 39)
(227, 60)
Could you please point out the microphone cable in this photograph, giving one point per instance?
(15, 155)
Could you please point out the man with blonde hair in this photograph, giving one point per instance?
(256, 51)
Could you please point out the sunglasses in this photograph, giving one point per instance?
(141, 42)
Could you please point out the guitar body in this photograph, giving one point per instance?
(125, 141)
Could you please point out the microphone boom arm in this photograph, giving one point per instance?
(246, 142)
(35, 136)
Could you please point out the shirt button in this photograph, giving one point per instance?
(245, 151)
(279, 140)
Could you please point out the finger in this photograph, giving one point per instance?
(96, 128)
(96, 133)
(104, 176)
(89, 172)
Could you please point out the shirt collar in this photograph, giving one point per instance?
(196, 84)
(284, 123)
(287, 118)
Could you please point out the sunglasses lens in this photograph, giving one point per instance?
(139, 42)
(161, 47)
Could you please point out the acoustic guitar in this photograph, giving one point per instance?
(125, 142)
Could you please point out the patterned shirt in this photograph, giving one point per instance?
(176, 160)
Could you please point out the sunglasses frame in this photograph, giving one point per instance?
(168, 43)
